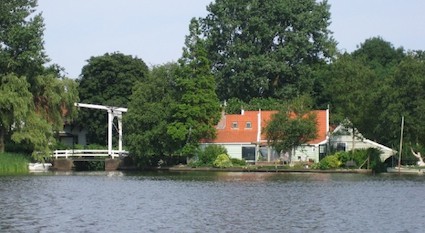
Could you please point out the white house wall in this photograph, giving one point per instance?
(233, 150)
(80, 133)
(306, 153)
(362, 144)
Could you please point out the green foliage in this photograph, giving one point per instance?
(107, 80)
(266, 48)
(345, 156)
(89, 165)
(373, 87)
(32, 98)
(149, 114)
(234, 105)
(196, 109)
(176, 107)
(222, 161)
(38, 133)
(375, 161)
(208, 155)
(238, 162)
(329, 162)
(15, 104)
(379, 53)
(21, 39)
(291, 128)
(358, 156)
(13, 163)
(61, 146)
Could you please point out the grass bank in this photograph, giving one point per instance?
(11, 163)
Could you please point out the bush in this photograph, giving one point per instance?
(329, 162)
(344, 156)
(208, 155)
(222, 161)
(238, 162)
(359, 156)
(375, 160)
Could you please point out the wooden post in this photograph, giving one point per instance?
(401, 144)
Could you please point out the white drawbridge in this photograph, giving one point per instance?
(112, 113)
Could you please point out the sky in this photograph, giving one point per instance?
(154, 30)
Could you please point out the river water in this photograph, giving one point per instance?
(211, 202)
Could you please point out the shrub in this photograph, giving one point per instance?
(344, 156)
(329, 162)
(222, 161)
(208, 155)
(359, 156)
(238, 162)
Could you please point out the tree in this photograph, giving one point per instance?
(379, 53)
(149, 114)
(358, 86)
(197, 109)
(266, 48)
(107, 80)
(292, 127)
(33, 97)
(405, 99)
(21, 39)
(15, 104)
(176, 107)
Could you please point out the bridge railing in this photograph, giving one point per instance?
(87, 153)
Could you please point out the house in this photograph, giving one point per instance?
(243, 137)
(71, 135)
(342, 140)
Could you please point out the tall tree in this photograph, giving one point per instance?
(266, 48)
(21, 39)
(33, 97)
(15, 104)
(197, 109)
(107, 80)
(405, 98)
(379, 53)
(149, 114)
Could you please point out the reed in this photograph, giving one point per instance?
(11, 163)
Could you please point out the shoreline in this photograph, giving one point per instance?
(275, 170)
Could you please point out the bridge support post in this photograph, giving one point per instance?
(63, 164)
(112, 164)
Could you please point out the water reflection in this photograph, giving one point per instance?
(210, 202)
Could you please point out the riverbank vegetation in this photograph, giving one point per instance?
(11, 163)
(265, 56)
(357, 159)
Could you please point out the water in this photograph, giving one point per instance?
(211, 202)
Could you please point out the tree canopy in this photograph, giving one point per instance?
(107, 80)
(176, 106)
(33, 96)
(292, 126)
(266, 48)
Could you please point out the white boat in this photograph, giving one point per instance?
(407, 170)
(39, 167)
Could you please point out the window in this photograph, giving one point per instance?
(234, 125)
(248, 153)
(341, 146)
(248, 125)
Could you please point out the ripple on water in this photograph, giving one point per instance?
(211, 202)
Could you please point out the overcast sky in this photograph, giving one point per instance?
(154, 30)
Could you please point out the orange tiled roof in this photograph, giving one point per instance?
(244, 128)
